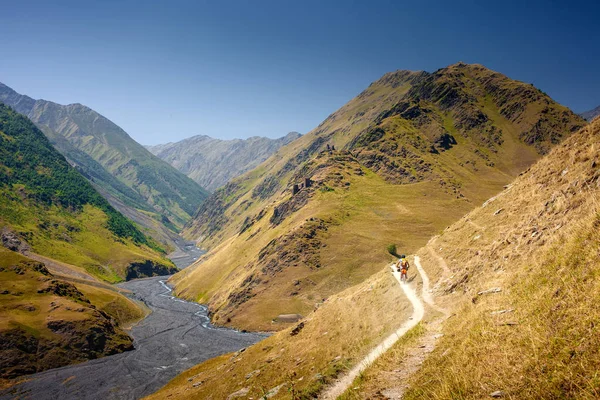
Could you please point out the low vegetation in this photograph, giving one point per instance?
(538, 243)
(518, 275)
(306, 357)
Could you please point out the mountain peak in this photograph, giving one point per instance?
(592, 114)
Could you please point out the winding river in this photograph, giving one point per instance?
(174, 337)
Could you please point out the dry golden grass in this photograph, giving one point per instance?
(340, 332)
(539, 242)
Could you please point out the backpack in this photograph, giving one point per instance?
(404, 264)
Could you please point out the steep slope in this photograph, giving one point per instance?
(48, 323)
(47, 207)
(413, 153)
(134, 180)
(590, 115)
(537, 245)
(214, 162)
(533, 337)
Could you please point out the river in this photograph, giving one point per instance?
(174, 337)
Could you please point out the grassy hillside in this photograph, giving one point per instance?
(47, 323)
(47, 207)
(537, 241)
(213, 162)
(413, 153)
(542, 250)
(131, 177)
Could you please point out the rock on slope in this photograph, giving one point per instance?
(537, 241)
(590, 115)
(47, 207)
(134, 180)
(413, 153)
(213, 162)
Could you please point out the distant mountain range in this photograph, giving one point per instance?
(213, 162)
(590, 115)
(142, 186)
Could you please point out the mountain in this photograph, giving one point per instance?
(213, 162)
(60, 238)
(413, 153)
(590, 115)
(136, 182)
(515, 293)
(48, 208)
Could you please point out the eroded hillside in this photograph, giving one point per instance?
(401, 161)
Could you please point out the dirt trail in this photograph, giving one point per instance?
(425, 345)
(345, 382)
(426, 291)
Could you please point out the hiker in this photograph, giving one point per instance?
(402, 267)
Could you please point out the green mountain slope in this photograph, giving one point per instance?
(535, 337)
(213, 162)
(413, 153)
(48, 323)
(46, 206)
(134, 180)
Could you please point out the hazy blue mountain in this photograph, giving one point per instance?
(591, 114)
(213, 162)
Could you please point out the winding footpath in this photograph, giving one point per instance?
(345, 382)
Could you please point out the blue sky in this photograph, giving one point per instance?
(164, 71)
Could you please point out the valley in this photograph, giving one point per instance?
(144, 261)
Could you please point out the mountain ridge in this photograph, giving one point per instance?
(591, 114)
(213, 162)
(50, 208)
(516, 277)
(143, 184)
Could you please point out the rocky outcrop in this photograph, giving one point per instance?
(148, 268)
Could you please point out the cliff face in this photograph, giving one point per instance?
(213, 162)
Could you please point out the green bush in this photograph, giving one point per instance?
(392, 250)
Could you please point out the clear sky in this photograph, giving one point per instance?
(168, 70)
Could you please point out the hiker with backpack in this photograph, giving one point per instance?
(402, 267)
